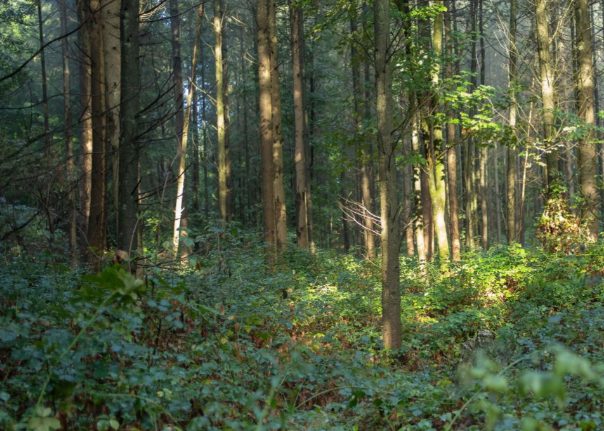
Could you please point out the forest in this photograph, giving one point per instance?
(301, 215)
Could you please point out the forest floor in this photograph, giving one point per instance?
(505, 340)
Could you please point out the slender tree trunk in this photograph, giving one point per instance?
(434, 153)
(86, 114)
(182, 147)
(391, 299)
(97, 220)
(363, 151)
(110, 11)
(265, 106)
(546, 76)
(45, 112)
(587, 156)
(68, 136)
(224, 161)
(196, 165)
(484, 196)
(512, 152)
(451, 152)
(303, 196)
(178, 124)
(277, 149)
(128, 186)
(422, 199)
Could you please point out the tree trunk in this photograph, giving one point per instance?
(277, 149)
(68, 136)
(546, 76)
(434, 149)
(451, 152)
(224, 161)
(178, 124)
(128, 186)
(97, 221)
(86, 115)
(512, 152)
(110, 12)
(391, 299)
(182, 147)
(303, 196)
(45, 112)
(587, 157)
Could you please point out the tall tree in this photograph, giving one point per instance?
(178, 123)
(434, 145)
(301, 151)
(224, 158)
(273, 193)
(587, 156)
(546, 77)
(86, 114)
(44, 81)
(68, 136)
(512, 156)
(110, 21)
(391, 299)
(98, 214)
(451, 151)
(128, 146)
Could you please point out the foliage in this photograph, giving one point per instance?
(217, 346)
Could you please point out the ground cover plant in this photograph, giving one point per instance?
(503, 340)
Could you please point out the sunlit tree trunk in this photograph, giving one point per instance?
(86, 114)
(303, 196)
(511, 152)
(587, 156)
(391, 300)
(223, 153)
(277, 149)
(434, 146)
(178, 123)
(546, 76)
(451, 151)
(128, 188)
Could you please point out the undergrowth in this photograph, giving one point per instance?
(509, 339)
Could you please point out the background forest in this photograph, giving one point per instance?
(301, 214)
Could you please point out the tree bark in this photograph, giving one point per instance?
(45, 112)
(277, 149)
(512, 152)
(224, 159)
(97, 221)
(86, 114)
(587, 156)
(128, 186)
(110, 12)
(303, 196)
(68, 136)
(546, 76)
(391, 299)
(178, 124)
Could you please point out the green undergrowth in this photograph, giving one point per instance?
(509, 339)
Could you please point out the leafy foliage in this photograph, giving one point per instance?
(217, 346)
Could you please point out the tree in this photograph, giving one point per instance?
(546, 78)
(512, 229)
(273, 194)
(97, 221)
(224, 158)
(390, 236)
(301, 151)
(128, 186)
(587, 157)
